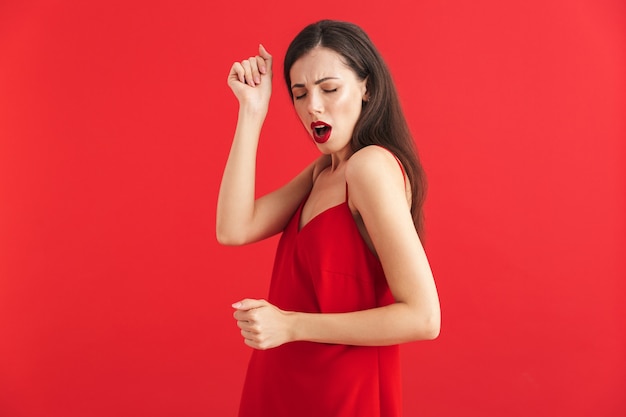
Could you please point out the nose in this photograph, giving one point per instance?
(314, 103)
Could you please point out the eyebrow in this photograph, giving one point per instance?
(316, 82)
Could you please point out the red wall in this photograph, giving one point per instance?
(115, 123)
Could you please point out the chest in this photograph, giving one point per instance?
(328, 195)
(329, 190)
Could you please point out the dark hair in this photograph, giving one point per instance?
(381, 121)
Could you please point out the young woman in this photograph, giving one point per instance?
(351, 279)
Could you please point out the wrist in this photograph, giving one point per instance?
(252, 111)
(293, 327)
(250, 121)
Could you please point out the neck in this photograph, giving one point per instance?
(338, 158)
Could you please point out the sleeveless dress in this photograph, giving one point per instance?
(326, 267)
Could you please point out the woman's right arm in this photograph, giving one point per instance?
(241, 218)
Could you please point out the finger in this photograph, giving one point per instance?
(257, 344)
(250, 343)
(254, 69)
(249, 304)
(264, 54)
(240, 315)
(238, 72)
(250, 334)
(260, 63)
(267, 58)
(247, 325)
(247, 72)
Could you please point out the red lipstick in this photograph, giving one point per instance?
(321, 131)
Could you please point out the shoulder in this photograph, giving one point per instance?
(374, 177)
(373, 165)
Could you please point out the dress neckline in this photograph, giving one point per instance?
(300, 227)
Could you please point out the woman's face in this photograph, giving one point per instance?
(328, 97)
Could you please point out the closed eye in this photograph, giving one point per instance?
(301, 96)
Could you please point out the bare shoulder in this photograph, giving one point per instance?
(373, 166)
(375, 181)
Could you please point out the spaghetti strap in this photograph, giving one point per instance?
(398, 161)
(401, 168)
(399, 164)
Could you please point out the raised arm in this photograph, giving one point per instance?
(377, 191)
(240, 218)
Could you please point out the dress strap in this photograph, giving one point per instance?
(401, 168)
(397, 160)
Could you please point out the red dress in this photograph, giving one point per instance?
(326, 267)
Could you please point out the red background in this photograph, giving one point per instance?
(115, 123)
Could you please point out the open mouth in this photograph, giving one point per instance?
(321, 131)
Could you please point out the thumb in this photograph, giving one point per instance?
(265, 55)
(249, 304)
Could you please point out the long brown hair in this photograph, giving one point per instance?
(382, 121)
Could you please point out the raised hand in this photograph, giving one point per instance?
(251, 80)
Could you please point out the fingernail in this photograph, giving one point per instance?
(237, 304)
(257, 80)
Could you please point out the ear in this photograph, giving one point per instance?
(366, 93)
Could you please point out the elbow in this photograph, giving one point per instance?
(422, 324)
(228, 238)
(432, 330)
(225, 240)
(429, 327)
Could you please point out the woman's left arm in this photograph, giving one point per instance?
(377, 191)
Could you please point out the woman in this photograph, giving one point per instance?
(351, 280)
